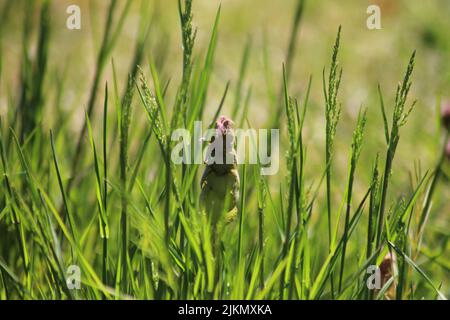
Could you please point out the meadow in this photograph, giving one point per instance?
(89, 190)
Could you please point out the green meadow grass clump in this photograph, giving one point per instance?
(112, 202)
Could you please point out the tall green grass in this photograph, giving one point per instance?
(115, 205)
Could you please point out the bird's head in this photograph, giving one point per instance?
(224, 131)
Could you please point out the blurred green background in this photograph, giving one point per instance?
(368, 58)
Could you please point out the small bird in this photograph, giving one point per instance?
(220, 180)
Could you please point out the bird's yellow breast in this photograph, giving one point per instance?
(220, 194)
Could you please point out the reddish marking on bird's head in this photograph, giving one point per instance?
(447, 150)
